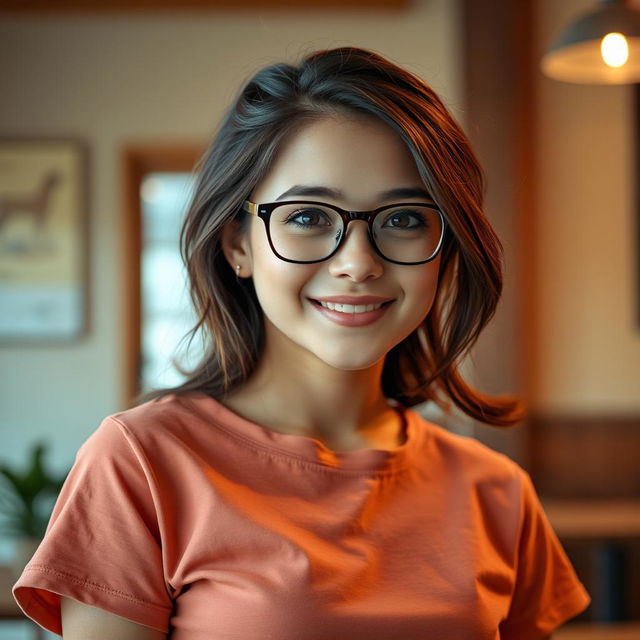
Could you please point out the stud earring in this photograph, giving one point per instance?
(238, 267)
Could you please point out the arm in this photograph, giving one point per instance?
(84, 622)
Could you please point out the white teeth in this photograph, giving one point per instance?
(350, 308)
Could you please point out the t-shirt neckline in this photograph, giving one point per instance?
(306, 449)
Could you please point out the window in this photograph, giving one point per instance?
(166, 310)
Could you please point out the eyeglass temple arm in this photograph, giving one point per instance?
(250, 207)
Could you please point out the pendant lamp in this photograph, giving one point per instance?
(601, 46)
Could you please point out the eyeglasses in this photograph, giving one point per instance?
(304, 231)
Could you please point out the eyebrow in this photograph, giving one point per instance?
(324, 192)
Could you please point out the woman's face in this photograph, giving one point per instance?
(357, 158)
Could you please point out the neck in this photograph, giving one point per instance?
(305, 396)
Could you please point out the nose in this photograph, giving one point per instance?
(356, 259)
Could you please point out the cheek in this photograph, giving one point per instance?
(278, 284)
(423, 286)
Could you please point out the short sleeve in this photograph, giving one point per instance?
(547, 591)
(102, 546)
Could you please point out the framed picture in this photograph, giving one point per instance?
(43, 240)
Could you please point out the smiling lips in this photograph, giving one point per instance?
(350, 308)
(352, 311)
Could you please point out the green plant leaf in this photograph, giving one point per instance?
(26, 497)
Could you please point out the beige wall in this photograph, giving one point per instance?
(588, 342)
(116, 79)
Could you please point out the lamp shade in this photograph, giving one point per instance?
(577, 54)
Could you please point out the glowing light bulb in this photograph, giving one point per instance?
(614, 49)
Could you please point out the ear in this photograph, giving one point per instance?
(234, 242)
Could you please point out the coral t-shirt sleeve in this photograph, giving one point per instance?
(547, 591)
(102, 544)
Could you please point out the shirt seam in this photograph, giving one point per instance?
(562, 605)
(557, 614)
(517, 541)
(300, 459)
(148, 471)
(41, 568)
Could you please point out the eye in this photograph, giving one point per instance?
(308, 218)
(405, 219)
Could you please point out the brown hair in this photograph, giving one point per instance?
(273, 104)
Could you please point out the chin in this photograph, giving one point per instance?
(350, 361)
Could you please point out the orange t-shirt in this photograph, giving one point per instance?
(182, 516)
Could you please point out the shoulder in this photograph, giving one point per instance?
(145, 427)
(466, 458)
(169, 413)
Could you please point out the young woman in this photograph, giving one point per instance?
(341, 266)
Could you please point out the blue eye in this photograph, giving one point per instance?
(308, 218)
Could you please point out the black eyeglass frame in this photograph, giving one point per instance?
(265, 210)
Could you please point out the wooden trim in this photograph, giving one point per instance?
(586, 457)
(152, 6)
(583, 519)
(526, 203)
(585, 631)
(499, 86)
(636, 95)
(137, 161)
(526, 239)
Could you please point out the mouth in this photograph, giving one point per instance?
(350, 308)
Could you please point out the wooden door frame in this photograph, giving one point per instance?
(139, 160)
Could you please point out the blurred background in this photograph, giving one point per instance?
(105, 108)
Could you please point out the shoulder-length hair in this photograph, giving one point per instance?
(272, 105)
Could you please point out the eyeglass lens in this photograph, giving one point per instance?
(304, 232)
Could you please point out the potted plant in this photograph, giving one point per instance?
(26, 500)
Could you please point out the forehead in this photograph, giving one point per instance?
(357, 155)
